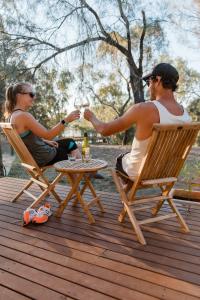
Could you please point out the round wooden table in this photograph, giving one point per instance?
(76, 171)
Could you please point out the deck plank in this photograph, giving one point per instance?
(8, 294)
(68, 258)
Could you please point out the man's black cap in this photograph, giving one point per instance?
(166, 71)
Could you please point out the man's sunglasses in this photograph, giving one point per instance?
(149, 79)
(31, 94)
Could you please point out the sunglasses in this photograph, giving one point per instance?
(31, 94)
(149, 80)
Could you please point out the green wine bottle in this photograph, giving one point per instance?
(85, 148)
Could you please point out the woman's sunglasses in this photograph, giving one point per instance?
(31, 94)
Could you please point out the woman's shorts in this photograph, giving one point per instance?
(65, 146)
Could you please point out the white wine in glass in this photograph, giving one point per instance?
(78, 104)
(86, 103)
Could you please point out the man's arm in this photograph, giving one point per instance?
(120, 124)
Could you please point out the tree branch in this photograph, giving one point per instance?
(126, 21)
(61, 50)
(102, 102)
(108, 38)
(30, 38)
(142, 42)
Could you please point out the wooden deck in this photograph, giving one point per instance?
(69, 259)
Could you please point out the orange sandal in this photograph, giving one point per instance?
(43, 213)
(28, 216)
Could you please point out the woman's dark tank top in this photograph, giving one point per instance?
(41, 151)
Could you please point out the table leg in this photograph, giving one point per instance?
(91, 187)
(85, 208)
(75, 181)
(74, 188)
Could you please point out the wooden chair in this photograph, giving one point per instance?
(31, 167)
(167, 150)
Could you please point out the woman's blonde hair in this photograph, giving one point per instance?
(11, 94)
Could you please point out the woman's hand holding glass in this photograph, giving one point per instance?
(81, 105)
(74, 115)
(78, 105)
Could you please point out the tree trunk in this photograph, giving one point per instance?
(136, 85)
(139, 93)
(125, 138)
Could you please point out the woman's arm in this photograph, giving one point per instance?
(30, 123)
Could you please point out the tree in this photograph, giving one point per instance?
(52, 93)
(9, 71)
(109, 91)
(125, 31)
(194, 110)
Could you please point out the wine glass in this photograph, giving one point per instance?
(78, 104)
(86, 103)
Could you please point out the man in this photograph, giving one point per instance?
(163, 108)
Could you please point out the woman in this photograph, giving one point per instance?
(38, 139)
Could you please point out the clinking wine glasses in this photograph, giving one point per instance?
(81, 105)
(86, 103)
(78, 105)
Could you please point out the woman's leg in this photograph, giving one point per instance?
(65, 147)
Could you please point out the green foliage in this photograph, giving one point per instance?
(194, 110)
(52, 96)
(190, 172)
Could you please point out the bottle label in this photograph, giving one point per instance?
(87, 154)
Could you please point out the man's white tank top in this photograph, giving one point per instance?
(132, 160)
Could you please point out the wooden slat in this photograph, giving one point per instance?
(160, 218)
(30, 195)
(158, 181)
(27, 287)
(8, 294)
(186, 194)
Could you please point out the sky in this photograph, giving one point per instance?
(182, 43)
(187, 52)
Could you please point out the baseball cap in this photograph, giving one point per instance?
(166, 71)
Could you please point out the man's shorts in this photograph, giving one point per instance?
(119, 166)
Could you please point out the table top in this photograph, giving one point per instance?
(78, 166)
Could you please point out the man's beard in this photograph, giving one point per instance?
(152, 95)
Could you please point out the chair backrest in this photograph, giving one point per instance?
(17, 143)
(167, 150)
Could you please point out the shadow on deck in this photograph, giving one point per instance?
(67, 258)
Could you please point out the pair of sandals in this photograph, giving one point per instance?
(39, 216)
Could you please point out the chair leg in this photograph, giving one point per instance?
(136, 227)
(179, 217)
(40, 198)
(122, 215)
(22, 190)
(156, 209)
(52, 188)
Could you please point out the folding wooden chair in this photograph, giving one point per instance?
(31, 167)
(167, 150)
